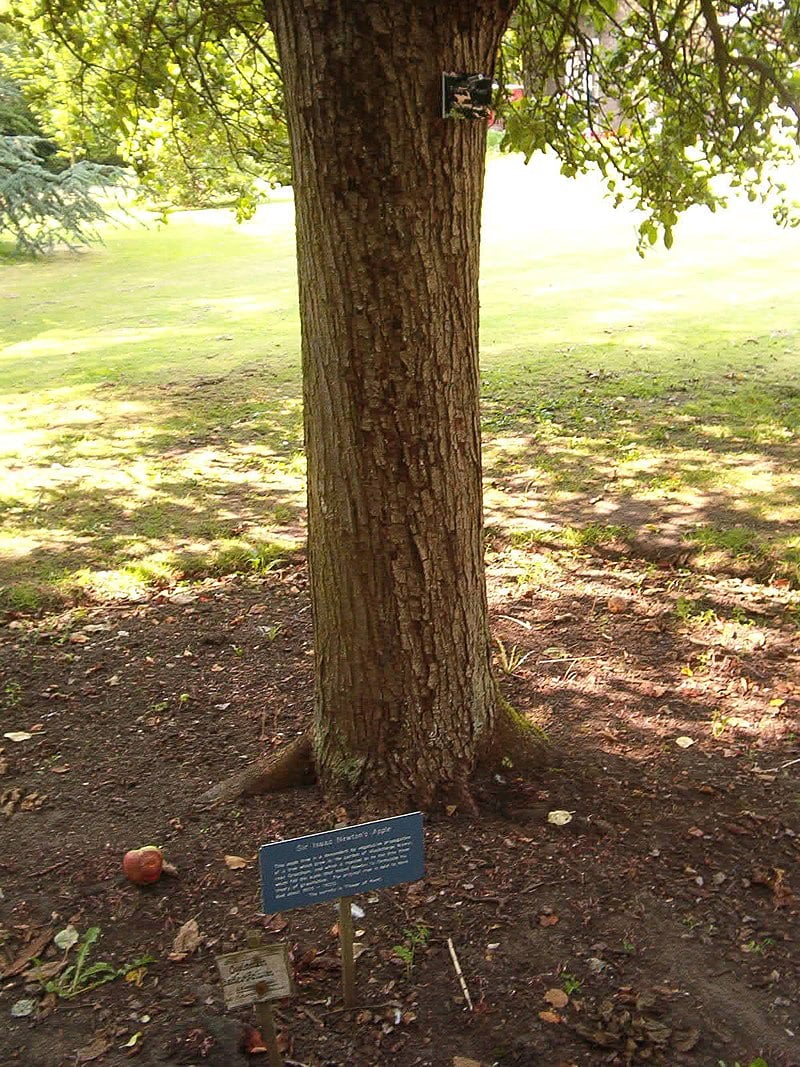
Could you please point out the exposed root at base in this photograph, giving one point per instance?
(292, 766)
(515, 743)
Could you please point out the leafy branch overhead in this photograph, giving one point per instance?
(187, 94)
(663, 98)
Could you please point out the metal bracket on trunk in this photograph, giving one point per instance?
(466, 96)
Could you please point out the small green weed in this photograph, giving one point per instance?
(594, 533)
(82, 976)
(12, 693)
(691, 611)
(758, 948)
(758, 1062)
(536, 571)
(738, 540)
(570, 984)
(414, 937)
(510, 659)
(25, 597)
(719, 723)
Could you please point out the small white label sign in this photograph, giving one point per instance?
(257, 974)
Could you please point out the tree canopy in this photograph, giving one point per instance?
(191, 101)
(662, 98)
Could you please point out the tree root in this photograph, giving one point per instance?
(515, 744)
(292, 766)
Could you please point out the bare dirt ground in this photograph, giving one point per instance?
(659, 925)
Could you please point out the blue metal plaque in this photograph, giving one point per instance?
(341, 863)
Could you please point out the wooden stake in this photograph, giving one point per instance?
(266, 1024)
(346, 945)
(265, 1017)
(459, 974)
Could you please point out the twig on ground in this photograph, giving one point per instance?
(780, 767)
(50, 869)
(519, 622)
(365, 1006)
(540, 885)
(459, 974)
(569, 659)
(313, 1017)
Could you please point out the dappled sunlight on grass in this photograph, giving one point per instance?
(150, 412)
(104, 496)
(78, 344)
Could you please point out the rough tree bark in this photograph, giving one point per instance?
(388, 199)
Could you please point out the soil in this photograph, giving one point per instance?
(659, 925)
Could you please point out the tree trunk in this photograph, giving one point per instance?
(388, 198)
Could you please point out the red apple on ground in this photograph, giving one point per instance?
(143, 866)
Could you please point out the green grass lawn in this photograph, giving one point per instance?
(150, 422)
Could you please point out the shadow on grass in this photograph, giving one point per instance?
(711, 474)
(108, 490)
(187, 481)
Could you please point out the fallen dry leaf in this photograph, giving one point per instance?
(235, 863)
(93, 1051)
(35, 948)
(550, 1017)
(557, 998)
(136, 976)
(21, 1009)
(66, 938)
(187, 941)
(781, 893)
(252, 1041)
(685, 1040)
(44, 971)
(32, 801)
(9, 801)
(47, 1005)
